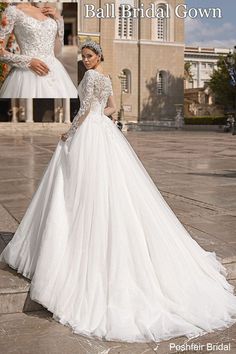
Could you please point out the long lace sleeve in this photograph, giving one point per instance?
(17, 60)
(111, 106)
(6, 28)
(60, 30)
(87, 87)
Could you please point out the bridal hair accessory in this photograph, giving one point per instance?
(92, 45)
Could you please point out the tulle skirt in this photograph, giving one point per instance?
(107, 255)
(24, 83)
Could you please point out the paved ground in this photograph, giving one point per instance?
(195, 172)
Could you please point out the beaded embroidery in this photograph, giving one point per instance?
(36, 38)
(94, 88)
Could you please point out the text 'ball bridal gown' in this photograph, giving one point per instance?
(36, 39)
(104, 251)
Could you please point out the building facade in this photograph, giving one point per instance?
(199, 100)
(202, 63)
(144, 57)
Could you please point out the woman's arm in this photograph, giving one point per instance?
(54, 13)
(9, 17)
(87, 89)
(6, 27)
(111, 106)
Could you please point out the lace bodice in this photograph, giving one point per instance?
(36, 38)
(94, 91)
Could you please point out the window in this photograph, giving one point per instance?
(127, 81)
(161, 82)
(162, 24)
(125, 25)
(207, 99)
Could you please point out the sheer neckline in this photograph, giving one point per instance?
(36, 19)
(107, 76)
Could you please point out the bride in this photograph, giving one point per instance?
(104, 251)
(36, 72)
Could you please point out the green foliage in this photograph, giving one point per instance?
(205, 120)
(224, 92)
(3, 5)
(3, 67)
(187, 70)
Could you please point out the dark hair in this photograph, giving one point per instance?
(91, 47)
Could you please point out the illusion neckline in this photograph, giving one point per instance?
(101, 74)
(34, 18)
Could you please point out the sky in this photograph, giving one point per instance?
(212, 32)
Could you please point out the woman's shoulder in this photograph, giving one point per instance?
(10, 11)
(94, 75)
(11, 7)
(89, 75)
(92, 72)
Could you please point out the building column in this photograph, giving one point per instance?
(14, 109)
(58, 107)
(66, 107)
(29, 111)
(199, 74)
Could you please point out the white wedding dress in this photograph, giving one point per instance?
(36, 39)
(104, 251)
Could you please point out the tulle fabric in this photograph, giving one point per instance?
(107, 255)
(24, 83)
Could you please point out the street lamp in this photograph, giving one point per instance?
(179, 119)
(122, 78)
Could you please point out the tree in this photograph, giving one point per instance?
(187, 71)
(219, 83)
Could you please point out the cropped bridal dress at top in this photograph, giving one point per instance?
(104, 251)
(36, 39)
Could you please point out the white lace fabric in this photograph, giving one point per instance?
(36, 38)
(94, 90)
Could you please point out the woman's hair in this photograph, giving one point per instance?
(95, 47)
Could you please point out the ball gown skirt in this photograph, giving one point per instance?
(107, 255)
(24, 83)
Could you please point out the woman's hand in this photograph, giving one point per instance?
(51, 11)
(1, 47)
(64, 137)
(39, 67)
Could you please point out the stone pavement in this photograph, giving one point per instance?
(196, 174)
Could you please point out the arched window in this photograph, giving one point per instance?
(161, 26)
(125, 24)
(161, 82)
(127, 81)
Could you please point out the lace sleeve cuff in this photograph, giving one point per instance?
(16, 60)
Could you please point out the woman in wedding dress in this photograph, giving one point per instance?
(104, 251)
(36, 72)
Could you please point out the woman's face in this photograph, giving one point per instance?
(90, 59)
